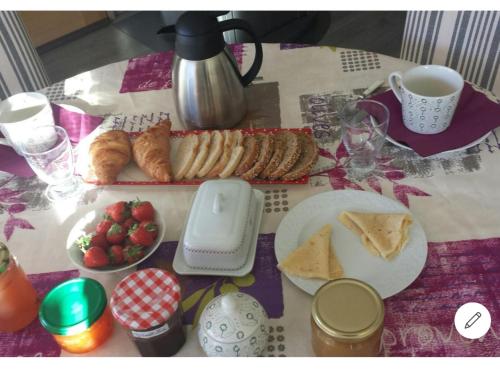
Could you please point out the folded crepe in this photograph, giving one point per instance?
(314, 259)
(383, 235)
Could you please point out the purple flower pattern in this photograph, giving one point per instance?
(338, 176)
(11, 201)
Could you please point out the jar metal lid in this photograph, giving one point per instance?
(348, 310)
(72, 306)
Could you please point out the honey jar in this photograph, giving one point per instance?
(77, 315)
(347, 319)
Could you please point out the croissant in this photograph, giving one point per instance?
(110, 152)
(152, 151)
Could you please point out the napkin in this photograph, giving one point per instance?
(475, 116)
(77, 125)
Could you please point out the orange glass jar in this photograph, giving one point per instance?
(18, 299)
(76, 314)
(347, 320)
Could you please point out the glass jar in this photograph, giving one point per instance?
(18, 299)
(76, 314)
(347, 320)
(147, 304)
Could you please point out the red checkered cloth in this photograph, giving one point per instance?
(145, 299)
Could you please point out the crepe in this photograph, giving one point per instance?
(383, 235)
(314, 259)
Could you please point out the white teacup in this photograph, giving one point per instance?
(19, 114)
(429, 95)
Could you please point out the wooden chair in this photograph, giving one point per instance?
(21, 69)
(467, 41)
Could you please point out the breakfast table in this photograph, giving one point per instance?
(453, 195)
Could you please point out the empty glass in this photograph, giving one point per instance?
(48, 151)
(364, 128)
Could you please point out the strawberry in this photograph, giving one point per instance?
(116, 234)
(115, 253)
(118, 211)
(95, 257)
(132, 253)
(150, 227)
(140, 236)
(128, 223)
(142, 210)
(104, 225)
(94, 239)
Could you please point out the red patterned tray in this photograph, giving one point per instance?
(133, 175)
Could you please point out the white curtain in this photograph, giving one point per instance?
(21, 69)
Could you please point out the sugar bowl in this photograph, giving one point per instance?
(233, 325)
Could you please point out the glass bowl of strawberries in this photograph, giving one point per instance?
(116, 237)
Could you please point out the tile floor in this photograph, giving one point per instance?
(134, 34)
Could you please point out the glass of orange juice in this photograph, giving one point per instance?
(18, 300)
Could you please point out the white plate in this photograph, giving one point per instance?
(181, 267)
(86, 224)
(387, 277)
(472, 144)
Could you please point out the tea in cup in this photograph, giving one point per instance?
(429, 95)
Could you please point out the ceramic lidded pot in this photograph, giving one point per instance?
(233, 325)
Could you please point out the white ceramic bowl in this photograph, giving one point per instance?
(233, 325)
(86, 224)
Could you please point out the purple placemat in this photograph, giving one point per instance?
(474, 117)
(34, 340)
(419, 320)
(263, 283)
(294, 45)
(78, 126)
(154, 71)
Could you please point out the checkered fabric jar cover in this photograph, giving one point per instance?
(145, 299)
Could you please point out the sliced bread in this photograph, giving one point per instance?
(230, 141)
(308, 158)
(185, 155)
(201, 156)
(250, 155)
(279, 151)
(290, 157)
(266, 143)
(214, 153)
(236, 155)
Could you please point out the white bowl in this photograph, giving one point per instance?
(86, 224)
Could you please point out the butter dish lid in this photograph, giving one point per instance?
(219, 216)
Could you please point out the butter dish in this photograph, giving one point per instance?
(220, 235)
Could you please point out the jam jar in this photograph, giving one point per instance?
(147, 304)
(347, 320)
(18, 299)
(75, 312)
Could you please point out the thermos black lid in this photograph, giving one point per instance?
(198, 36)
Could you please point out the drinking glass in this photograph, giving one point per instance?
(364, 128)
(48, 151)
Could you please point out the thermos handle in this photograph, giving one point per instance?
(234, 23)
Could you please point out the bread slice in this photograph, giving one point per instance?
(226, 155)
(236, 155)
(279, 151)
(250, 155)
(307, 160)
(185, 156)
(214, 153)
(201, 156)
(266, 143)
(290, 157)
